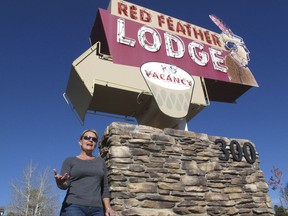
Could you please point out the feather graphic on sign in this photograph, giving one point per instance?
(222, 26)
(233, 42)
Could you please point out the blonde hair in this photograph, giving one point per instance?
(89, 130)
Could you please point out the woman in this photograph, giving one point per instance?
(85, 178)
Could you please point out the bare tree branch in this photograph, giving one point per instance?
(34, 194)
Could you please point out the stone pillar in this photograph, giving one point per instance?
(174, 172)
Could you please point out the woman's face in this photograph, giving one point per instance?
(88, 141)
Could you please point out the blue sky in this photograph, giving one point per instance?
(40, 39)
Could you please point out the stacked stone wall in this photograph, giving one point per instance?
(155, 172)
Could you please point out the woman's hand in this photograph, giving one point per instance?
(61, 180)
(109, 212)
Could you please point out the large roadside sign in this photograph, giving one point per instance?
(157, 68)
(221, 59)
